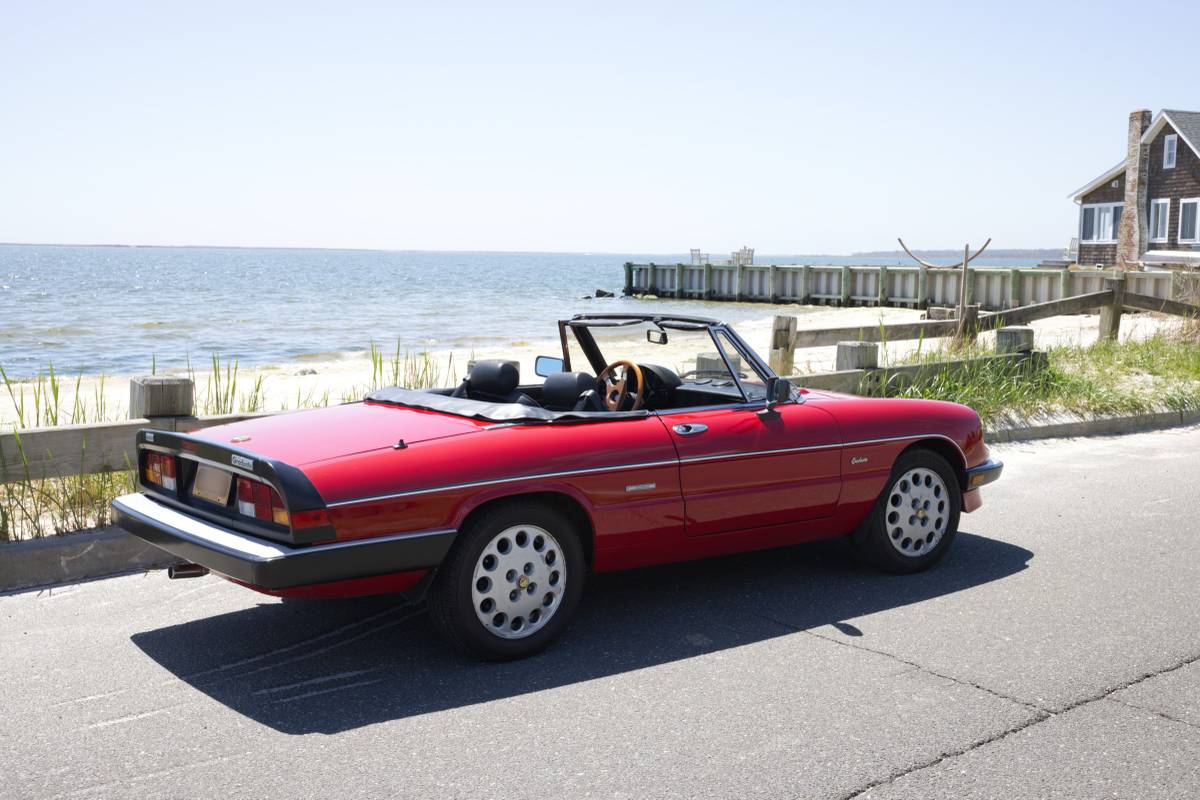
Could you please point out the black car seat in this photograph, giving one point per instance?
(493, 380)
(571, 391)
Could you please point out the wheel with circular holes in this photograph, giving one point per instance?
(915, 519)
(511, 583)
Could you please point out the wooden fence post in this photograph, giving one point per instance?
(845, 287)
(737, 283)
(857, 355)
(1014, 288)
(1110, 315)
(1014, 339)
(783, 354)
(881, 291)
(707, 287)
(1064, 284)
(968, 324)
(922, 286)
(628, 278)
(155, 396)
(679, 281)
(806, 284)
(774, 287)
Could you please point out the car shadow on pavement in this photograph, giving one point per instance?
(326, 667)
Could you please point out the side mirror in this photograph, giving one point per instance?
(779, 390)
(544, 366)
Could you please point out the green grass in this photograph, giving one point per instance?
(1161, 373)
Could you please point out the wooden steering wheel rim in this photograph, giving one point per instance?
(622, 386)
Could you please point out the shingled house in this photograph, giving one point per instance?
(1147, 208)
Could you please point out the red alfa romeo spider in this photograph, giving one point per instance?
(652, 439)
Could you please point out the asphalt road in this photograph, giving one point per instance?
(1055, 653)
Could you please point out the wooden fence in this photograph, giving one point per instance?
(992, 288)
(1112, 299)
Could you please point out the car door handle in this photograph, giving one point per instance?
(689, 428)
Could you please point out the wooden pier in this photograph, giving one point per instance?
(992, 288)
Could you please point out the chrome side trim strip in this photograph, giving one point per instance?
(494, 481)
(647, 465)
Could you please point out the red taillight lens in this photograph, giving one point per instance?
(166, 466)
(245, 496)
(310, 519)
(262, 501)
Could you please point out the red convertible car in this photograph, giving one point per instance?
(652, 439)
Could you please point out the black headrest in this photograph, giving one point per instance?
(495, 376)
(562, 389)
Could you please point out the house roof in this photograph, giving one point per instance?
(1185, 123)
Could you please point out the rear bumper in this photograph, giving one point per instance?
(270, 565)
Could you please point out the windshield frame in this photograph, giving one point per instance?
(580, 325)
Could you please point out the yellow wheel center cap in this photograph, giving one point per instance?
(523, 583)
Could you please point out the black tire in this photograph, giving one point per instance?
(882, 544)
(451, 602)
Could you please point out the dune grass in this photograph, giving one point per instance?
(1160, 373)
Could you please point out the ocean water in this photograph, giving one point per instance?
(111, 310)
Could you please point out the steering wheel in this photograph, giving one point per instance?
(616, 390)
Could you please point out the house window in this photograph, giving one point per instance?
(1170, 148)
(1099, 222)
(1160, 211)
(1189, 225)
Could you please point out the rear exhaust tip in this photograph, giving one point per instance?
(178, 571)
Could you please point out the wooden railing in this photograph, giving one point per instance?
(786, 336)
(41, 453)
(992, 288)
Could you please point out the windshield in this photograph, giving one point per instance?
(692, 354)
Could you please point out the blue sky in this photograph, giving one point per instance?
(636, 127)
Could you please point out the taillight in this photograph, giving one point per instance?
(245, 497)
(258, 500)
(160, 470)
(167, 467)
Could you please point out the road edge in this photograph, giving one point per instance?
(1099, 426)
(98, 553)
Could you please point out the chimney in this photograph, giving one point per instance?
(1131, 236)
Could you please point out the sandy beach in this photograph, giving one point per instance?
(324, 380)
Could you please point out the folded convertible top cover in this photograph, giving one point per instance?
(490, 412)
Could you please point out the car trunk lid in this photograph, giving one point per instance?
(307, 437)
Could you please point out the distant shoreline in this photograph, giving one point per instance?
(1036, 253)
(1039, 253)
